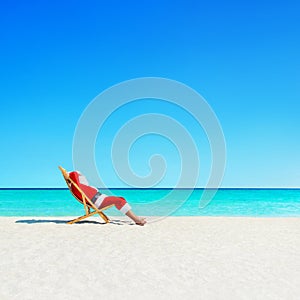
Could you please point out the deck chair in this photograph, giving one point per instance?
(87, 203)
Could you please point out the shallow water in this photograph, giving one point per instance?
(157, 202)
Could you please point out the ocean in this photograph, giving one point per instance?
(152, 202)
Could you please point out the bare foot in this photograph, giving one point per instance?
(141, 221)
(138, 220)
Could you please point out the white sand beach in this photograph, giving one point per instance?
(175, 258)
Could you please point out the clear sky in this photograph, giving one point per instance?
(241, 56)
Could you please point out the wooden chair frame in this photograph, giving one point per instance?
(87, 203)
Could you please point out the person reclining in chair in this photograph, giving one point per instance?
(101, 200)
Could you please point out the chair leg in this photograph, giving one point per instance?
(101, 214)
(82, 217)
(104, 216)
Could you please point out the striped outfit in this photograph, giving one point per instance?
(100, 200)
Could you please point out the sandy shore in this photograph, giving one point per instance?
(175, 258)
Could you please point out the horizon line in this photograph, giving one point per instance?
(156, 188)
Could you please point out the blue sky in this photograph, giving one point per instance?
(242, 57)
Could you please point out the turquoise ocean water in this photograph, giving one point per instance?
(227, 202)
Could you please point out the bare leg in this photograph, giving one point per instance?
(138, 220)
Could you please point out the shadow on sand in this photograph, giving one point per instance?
(39, 221)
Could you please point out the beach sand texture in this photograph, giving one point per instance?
(175, 258)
